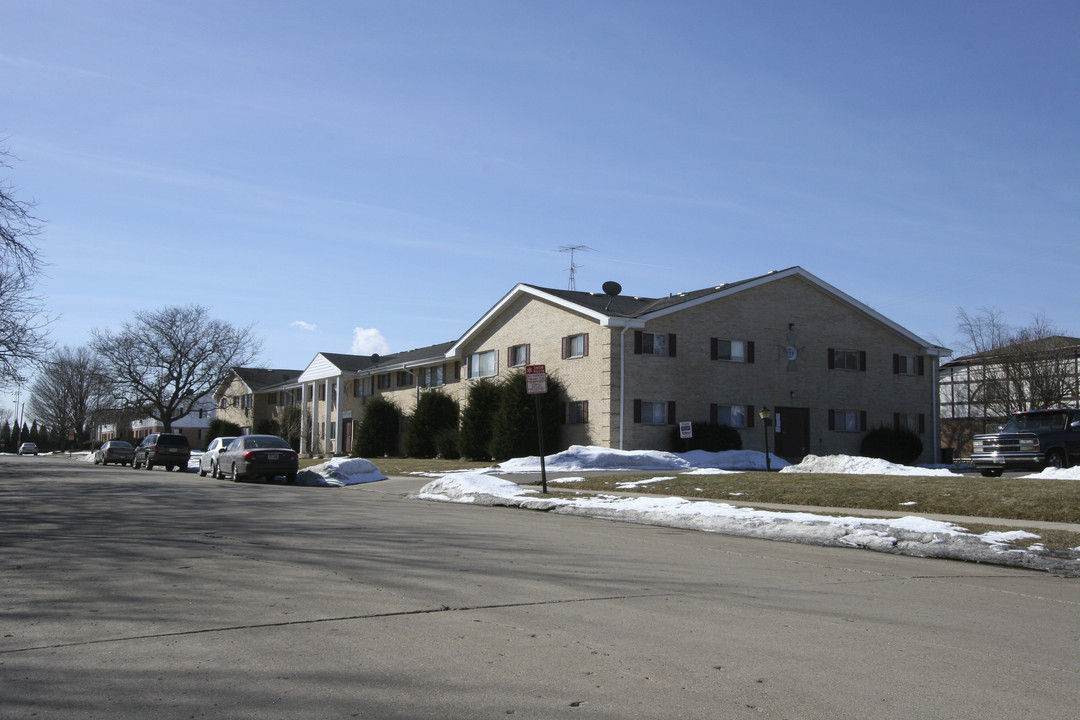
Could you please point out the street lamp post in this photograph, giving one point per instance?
(766, 419)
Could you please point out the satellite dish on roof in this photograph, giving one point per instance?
(612, 288)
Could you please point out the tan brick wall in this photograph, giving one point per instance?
(542, 326)
(778, 314)
(784, 312)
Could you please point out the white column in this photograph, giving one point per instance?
(326, 418)
(339, 397)
(305, 443)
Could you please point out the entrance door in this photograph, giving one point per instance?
(346, 436)
(791, 427)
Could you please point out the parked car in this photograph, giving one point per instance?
(265, 456)
(28, 449)
(169, 449)
(208, 463)
(114, 451)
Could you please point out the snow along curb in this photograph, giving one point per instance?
(913, 536)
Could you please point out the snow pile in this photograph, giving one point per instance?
(851, 465)
(339, 472)
(1072, 473)
(581, 457)
(911, 535)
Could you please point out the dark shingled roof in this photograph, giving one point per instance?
(261, 378)
(632, 306)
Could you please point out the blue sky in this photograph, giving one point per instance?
(389, 170)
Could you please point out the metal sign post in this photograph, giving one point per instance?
(536, 384)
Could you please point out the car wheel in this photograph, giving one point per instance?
(290, 478)
(148, 465)
(1056, 459)
(991, 473)
(202, 473)
(215, 472)
(235, 475)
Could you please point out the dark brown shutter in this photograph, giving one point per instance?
(862, 361)
(637, 342)
(671, 344)
(714, 348)
(832, 413)
(565, 347)
(922, 365)
(714, 413)
(862, 421)
(922, 424)
(750, 351)
(671, 412)
(585, 345)
(895, 364)
(749, 416)
(832, 361)
(637, 411)
(585, 411)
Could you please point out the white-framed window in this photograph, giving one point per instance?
(517, 355)
(851, 421)
(575, 346)
(730, 350)
(432, 377)
(915, 422)
(732, 415)
(654, 343)
(482, 364)
(907, 365)
(577, 412)
(840, 359)
(651, 413)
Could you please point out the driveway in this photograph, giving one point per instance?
(127, 594)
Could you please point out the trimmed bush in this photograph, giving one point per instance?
(221, 428)
(513, 428)
(435, 413)
(474, 440)
(896, 445)
(377, 433)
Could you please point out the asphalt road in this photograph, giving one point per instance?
(134, 594)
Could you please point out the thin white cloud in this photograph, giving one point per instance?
(369, 341)
(310, 327)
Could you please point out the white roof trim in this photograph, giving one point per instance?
(517, 291)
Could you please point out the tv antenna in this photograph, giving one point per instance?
(573, 266)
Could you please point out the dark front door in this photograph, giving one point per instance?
(791, 428)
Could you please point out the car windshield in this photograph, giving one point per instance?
(1036, 422)
(267, 442)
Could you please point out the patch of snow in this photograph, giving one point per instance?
(339, 472)
(853, 465)
(1072, 473)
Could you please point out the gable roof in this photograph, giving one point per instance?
(260, 379)
(327, 365)
(1049, 345)
(635, 311)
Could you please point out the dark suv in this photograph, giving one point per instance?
(1030, 441)
(169, 449)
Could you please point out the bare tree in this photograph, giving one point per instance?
(166, 360)
(71, 392)
(1012, 369)
(23, 322)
